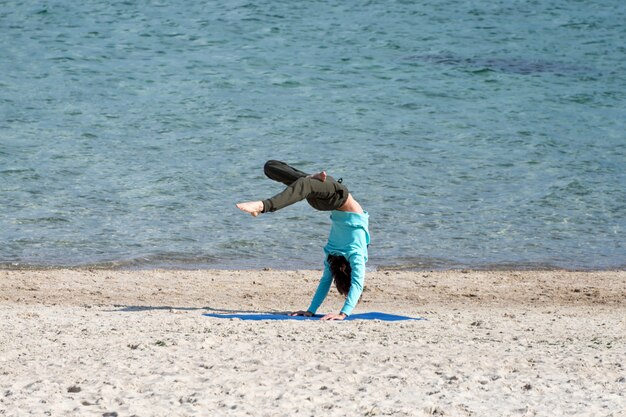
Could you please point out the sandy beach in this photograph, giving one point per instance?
(124, 343)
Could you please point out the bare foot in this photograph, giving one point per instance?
(319, 176)
(253, 207)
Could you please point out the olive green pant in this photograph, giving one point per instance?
(326, 195)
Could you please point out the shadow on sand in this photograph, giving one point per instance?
(137, 309)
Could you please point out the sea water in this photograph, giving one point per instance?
(477, 134)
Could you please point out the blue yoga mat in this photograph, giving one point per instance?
(265, 316)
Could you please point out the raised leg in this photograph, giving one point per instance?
(281, 172)
(320, 194)
(320, 190)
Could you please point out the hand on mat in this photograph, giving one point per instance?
(339, 316)
(301, 313)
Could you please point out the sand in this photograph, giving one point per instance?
(123, 343)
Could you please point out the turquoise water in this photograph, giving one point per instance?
(476, 134)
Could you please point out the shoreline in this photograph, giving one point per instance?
(412, 287)
(109, 342)
(255, 266)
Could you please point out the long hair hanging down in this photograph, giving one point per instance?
(342, 273)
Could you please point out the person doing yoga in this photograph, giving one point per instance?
(346, 249)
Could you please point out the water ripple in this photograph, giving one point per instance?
(476, 134)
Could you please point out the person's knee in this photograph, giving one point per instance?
(272, 163)
(270, 167)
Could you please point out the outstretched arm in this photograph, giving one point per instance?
(357, 264)
(322, 289)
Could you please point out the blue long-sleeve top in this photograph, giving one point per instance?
(349, 237)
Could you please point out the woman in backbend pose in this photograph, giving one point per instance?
(346, 249)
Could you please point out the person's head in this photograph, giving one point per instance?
(342, 273)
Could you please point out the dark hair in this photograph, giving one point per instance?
(342, 273)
